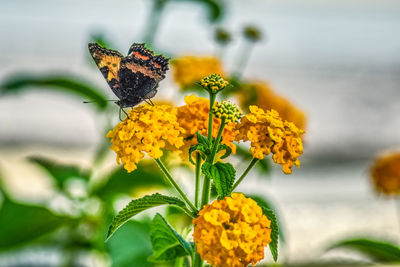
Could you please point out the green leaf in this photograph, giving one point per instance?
(377, 250)
(262, 201)
(68, 84)
(130, 245)
(202, 140)
(215, 9)
(60, 172)
(167, 243)
(223, 175)
(228, 150)
(119, 181)
(203, 146)
(273, 246)
(138, 205)
(21, 224)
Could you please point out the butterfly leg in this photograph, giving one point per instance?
(151, 102)
(126, 114)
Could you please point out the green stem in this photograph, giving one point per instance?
(153, 20)
(210, 116)
(198, 262)
(397, 203)
(243, 59)
(217, 140)
(175, 185)
(196, 193)
(251, 165)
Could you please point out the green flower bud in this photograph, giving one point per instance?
(222, 36)
(213, 83)
(227, 110)
(252, 33)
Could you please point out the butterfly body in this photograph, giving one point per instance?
(134, 78)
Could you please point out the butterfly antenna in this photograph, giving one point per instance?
(89, 102)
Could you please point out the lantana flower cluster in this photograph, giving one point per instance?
(147, 129)
(232, 232)
(268, 133)
(190, 69)
(385, 173)
(193, 117)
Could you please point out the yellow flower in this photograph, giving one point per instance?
(148, 129)
(261, 95)
(232, 232)
(193, 117)
(190, 69)
(268, 133)
(385, 174)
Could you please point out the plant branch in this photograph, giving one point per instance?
(175, 185)
(251, 165)
(197, 185)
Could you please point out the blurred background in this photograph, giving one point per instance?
(336, 61)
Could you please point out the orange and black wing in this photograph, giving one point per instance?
(108, 61)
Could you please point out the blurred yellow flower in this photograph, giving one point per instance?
(385, 173)
(232, 232)
(190, 69)
(268, 133)
(261, 95)
(193, 117)
(148, 129)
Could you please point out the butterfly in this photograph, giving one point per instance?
(134, 78)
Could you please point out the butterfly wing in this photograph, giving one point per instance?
(108, 61)
(139, 74)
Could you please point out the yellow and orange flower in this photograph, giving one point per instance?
(147, 129)
(385, 174)
(190, 69)
(193, 117)
(232, 232)
(268, 133)
(261, 95)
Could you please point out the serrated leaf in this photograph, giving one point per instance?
(223, 175)
(138, 205)
(228, 150)
(202, 140)
(377, 250)
(198, 148)
(60, 172)
(262, 201)
(273, 246)
(167, 243)
(62, 83)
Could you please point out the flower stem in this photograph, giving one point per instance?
(210, 115)
(217, 140)
(397, 203)
(196, 193)
(243, 59)
(198, 262)
(251, 165)
(175, 185)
